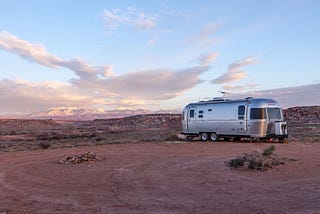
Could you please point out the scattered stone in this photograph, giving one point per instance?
(87, 157)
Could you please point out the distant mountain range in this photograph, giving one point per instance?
(74, 113)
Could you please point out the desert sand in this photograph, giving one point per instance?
(144, 168)
(167, 177)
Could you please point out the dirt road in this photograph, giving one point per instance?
(160, 178)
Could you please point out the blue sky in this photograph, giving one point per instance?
(156, 54)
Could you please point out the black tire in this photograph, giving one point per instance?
(213, 137)
(204, 136)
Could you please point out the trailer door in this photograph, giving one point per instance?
(242, 126)
(191, 120)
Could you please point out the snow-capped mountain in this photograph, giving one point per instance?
(66, 111)
(74, 113)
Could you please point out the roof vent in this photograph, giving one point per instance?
(218, 99)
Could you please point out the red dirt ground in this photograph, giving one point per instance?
(160, 178)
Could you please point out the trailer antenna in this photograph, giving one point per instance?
(224, 94)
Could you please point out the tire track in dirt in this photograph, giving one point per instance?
(115, 189)
(10, 164)
(28, 195)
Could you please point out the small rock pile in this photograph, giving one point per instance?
(87, 157)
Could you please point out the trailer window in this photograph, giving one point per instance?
(274, 113)
(200, 114)
(191, 113)
(241, 112)
(258, 113)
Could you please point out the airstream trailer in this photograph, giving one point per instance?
(242, 118)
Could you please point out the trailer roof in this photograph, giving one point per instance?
(254, 102)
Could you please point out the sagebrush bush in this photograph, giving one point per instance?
(269, 150)
(256, 160)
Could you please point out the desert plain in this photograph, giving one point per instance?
(143, 167)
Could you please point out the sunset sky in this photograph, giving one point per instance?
(156, 54)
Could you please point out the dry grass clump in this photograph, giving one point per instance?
(257, 160)
(44, 144)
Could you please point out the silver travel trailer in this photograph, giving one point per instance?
(243, 118)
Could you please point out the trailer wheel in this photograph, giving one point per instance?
(204, 136)
(213, 137)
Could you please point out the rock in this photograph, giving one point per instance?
(302, 114)
(87, 157)
(171, 121)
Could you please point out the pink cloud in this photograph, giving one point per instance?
(234, 73)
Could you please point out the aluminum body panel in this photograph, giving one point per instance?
(222, 117)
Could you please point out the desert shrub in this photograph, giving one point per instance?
(97, 138)
(269, 150)
(256, 160)
(172, 137)
(13, 133)
(44, 144)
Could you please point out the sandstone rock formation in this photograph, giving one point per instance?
(302, 114)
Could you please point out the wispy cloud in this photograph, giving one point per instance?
(304, 95)
(30, 51)
(234, 73)
(35, 96)
(37, 53)
(44, 95)
(208, 58)
(94, 85)
(157, 84)
(129, 16)
(207, 35)
(149, 85)
(85, 70)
